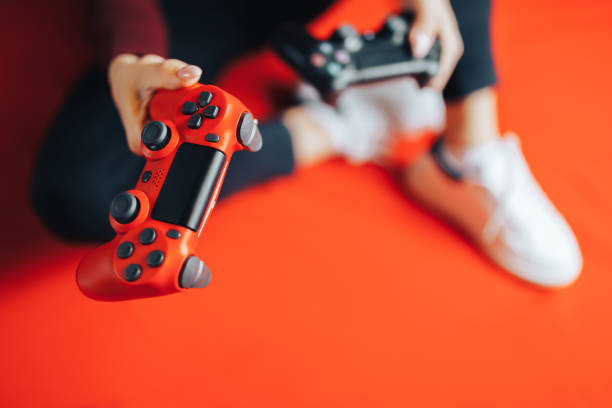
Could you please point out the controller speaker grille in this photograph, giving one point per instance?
(158, 177)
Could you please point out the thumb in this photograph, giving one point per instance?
(172, 74)
(422, 35)
(132, 119)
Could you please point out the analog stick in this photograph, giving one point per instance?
(124, 208)
(155, 135)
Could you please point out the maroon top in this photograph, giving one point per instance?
(128, 26)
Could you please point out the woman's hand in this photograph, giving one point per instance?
(435, 18)
(134, 80)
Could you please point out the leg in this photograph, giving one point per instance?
(481, 183)
(83, 163)
(471, 120)
(294, 139)
(274, 159)
(471, 102)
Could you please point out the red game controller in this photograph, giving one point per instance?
(188, 146)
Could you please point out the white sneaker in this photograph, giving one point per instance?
(499, 205)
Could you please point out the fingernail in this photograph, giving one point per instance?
(422, 45)
(189, 72)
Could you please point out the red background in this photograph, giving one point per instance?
(346, 293)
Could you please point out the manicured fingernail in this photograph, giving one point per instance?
(422, 45)
(189, 72)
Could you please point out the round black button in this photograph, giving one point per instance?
(155, 135)
(125, 250)
(132, 272)
(174, 234)
(147, 236)
(124, 208)
(155, 258)
(146, 176)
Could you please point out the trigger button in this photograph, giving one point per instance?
(191, 272)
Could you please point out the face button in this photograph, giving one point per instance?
(353, 44)
(396, 24)
(132, 272)
(155, 258)
(195, 121)
(194, 274)
(124, 208)
(326, 48)
(146, 176)
(155, 135)
(342, 56)
(248, 134)
(189, 108)
(147, 236)
(212, 138)
(205, 98)
(318, 60)
(333, 68)
(125, 250)
(174, 234)
(211, 111)
(343, 32)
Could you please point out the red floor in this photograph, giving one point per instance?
(346, 294)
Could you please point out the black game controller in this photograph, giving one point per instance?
(347, 58)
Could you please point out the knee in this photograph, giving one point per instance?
(69, 208)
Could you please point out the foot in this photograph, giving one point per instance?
(490, 194)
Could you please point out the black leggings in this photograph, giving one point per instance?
(84, 161)
(475, 68)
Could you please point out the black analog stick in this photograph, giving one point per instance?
(155, 135)
(124, 208)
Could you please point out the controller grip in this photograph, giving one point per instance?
(96, 278)
(294, 45)
(292, 42)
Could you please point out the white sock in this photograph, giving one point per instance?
(366, 117)
(410, 108)
(358, 128)
(454, 161)
(471, 160)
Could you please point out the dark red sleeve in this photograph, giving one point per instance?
(128, 26)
